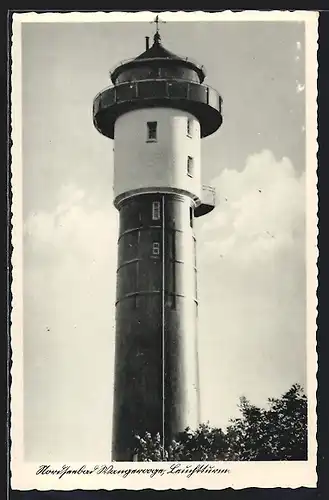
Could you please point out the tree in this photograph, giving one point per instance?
(278, 432)
(204, 443)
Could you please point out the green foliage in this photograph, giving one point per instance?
(150, 449)
(278, 432)
(205, 443)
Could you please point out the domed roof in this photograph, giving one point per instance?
(157, 51)
(158, 54)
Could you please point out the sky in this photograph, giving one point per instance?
(251, 248)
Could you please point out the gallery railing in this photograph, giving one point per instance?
(157, 89)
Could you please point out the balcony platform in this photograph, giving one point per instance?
(202, 101)
(208, 201)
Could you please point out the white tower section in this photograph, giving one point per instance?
(157, 150)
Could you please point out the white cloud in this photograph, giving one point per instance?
(69, 293)
(252, 288)
(256, 206)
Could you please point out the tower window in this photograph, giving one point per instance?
(152, 131)
(156, 210)
(191, 217)
(156, 248)
(189, 127)
(190, 166)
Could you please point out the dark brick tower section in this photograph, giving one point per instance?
(156, 384)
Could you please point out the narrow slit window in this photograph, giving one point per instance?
(189, 127)
(156, 210)
(191, 217)
(190, 166)
(156, 248)
(173, 246)
(152, 131)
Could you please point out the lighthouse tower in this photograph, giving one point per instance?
(157, 112)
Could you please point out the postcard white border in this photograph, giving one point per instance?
(241, 474)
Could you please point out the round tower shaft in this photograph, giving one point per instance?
(157, 111)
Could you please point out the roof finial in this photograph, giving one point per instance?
(157, 36)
